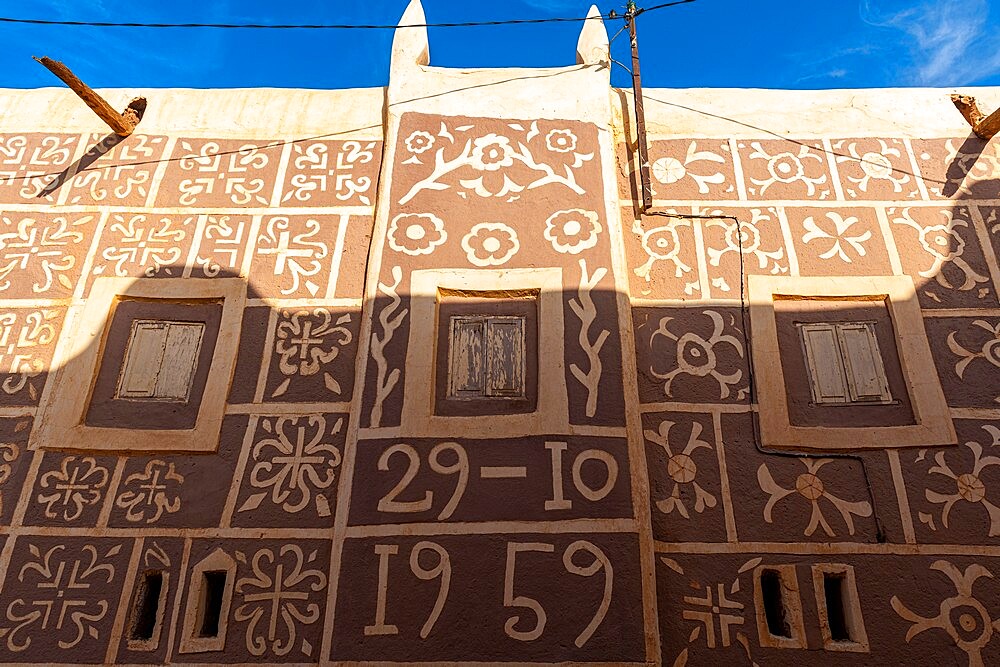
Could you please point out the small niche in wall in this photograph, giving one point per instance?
(209, 596)
(779, 607)
(840, 619)
(147, 611)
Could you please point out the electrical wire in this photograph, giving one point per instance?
(331, 26)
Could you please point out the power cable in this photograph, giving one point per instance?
(331, 26)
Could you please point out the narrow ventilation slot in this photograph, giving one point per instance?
(213, 590)
(146, 608)
(774, 604)
(836, 611)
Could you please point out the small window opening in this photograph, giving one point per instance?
(213, 590)
(774, 604)
(146, 608)
(836, 612)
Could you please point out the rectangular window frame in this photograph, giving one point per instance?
(791, 602)
(852, 608)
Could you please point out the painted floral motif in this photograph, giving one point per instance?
(962, 616)
(698, 357)
(560, 141)
(232, 176)
(837, 238)
(945, 246)
(281, 593)
(874, 166)
(490, 244)
(147, 244)
(150, 493)
(810, 486)
(25, 344)
(306, 342)
(296, 462)
(40, 251)
(745, 238)
(77, 484)
(990, 351)
(788, 167)
(662, 244)
(416, 233)
(968, 486)
(965, 170)
(669, 170)
(419, 142)
(296, 249)
(494, 164)
(71, 595)
(572, 231)
(682, 469)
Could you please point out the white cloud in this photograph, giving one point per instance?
(950, 41)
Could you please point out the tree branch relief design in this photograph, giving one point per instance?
(390, 320)
(583, 307)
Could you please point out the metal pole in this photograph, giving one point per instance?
(640, 114)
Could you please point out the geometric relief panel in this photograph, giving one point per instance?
(220, 173)
(331, 173)
(786, 169)
(662, 256)
(708, 614)
(691, 355)
(278, 601)
(42, 255)
(178, 491)
(966, 351)
(691, 169)
(847, 241)
(795, 498)
(939, 248)
(14, 461)
(116, 171)
(684, 481)
(959, 168)
(294, 256)
(222, 245)
(752, 244)
(312, 360)
(292, 471)
(60, 597)
(27, 341)
(875, 169)
(534, 598)
(955, 492)
(32, 166)
(70, 490)
(147, 245)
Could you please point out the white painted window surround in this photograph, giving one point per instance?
(160, 360)
(844, 363)
(486, 357)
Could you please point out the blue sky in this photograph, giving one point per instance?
(710, 43)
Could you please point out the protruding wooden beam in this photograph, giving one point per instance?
(121, 123)
(985, 127)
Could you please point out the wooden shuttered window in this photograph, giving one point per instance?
(486, 357)
(844, 363)
(160, 360)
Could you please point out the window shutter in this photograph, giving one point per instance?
(160, 360)
(863, 363)
(180, 359)
(468, 364)
(826, 373)
(143, 359)
(505, 357)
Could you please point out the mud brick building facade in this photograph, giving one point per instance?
(403, 375)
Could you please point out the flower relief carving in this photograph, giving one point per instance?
(835, 235)
(697, 356)
(281, 592)
(68, 598)
(669, 170)
(307, 342)
(663, 244)
(965, 480)
(297, 249)
(810, 487)
(572, 231)
(294, 463)
(21, 350)
(788, 167)
(989, 352)
(492, 164)
(150, 493)
(45, 247)
(416, 234)
(945, 248)
(682, 469)
(973, 166)
(77, 484)
(744, 237)
(874, 165)
(963, 617)
(233, 173)
(490, 244)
